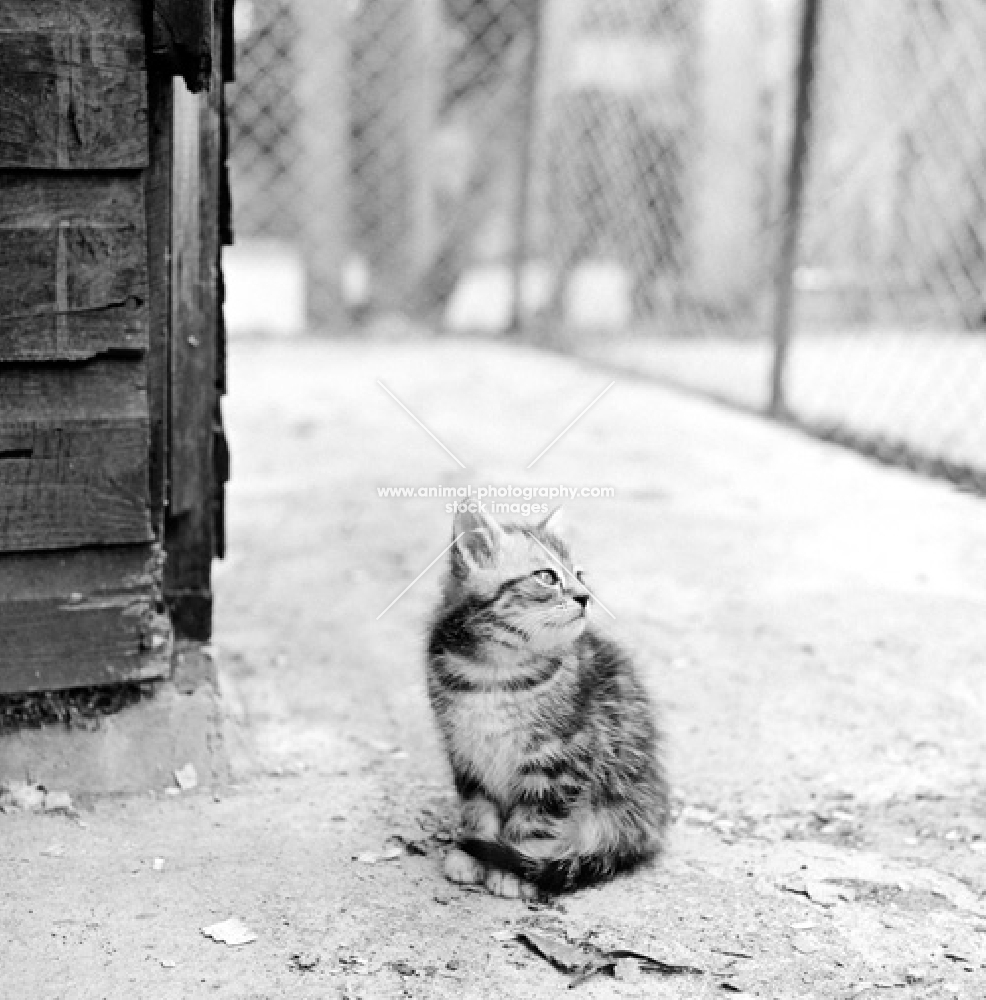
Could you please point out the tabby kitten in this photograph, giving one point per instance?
(550, 734)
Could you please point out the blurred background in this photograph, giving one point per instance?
(779, 203)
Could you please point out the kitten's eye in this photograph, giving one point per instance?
(548, 577)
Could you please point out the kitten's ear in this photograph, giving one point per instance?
(554, 522)
(476, 541)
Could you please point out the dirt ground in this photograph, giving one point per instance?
(811, 624)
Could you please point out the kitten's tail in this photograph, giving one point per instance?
(556, 875)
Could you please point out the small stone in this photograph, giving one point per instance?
(158, 864)
(186, 778)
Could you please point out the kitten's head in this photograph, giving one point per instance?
(520, 579)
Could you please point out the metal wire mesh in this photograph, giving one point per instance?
(609, 175)
(263, 121)
(891, 347)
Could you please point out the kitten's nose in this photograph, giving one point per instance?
(583, 599)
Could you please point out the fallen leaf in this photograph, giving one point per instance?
(735, 954)
(820, 892)
(232, 932)
(25, 796)
(391, 853)
(698, 815)
(651, 964)
(585, 961)
(626, 970)
(58, 802)
(186, 778)
(305, 960)
(562, 955)
(805, 944)
(412, 845)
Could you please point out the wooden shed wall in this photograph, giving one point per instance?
(91, 204)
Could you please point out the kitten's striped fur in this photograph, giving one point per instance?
(551, 737)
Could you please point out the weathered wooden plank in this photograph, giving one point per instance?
(48, 199)
(157, 200)
(72, 292)
(195, 447)
(182, 40)
(69, 619)
(65, 15)
(85, 391)
(192, 337)
(40, 576)
(72, 100)
(73, 265)
(73, 483)
(73, 456)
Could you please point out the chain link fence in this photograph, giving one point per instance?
(614, 177)
(890, 350)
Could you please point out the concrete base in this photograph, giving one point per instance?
(137, 749)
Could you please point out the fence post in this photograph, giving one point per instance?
(793, 198)
(526, 147)
(322, 167)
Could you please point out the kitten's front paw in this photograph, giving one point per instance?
(463, 868)
(506, 884)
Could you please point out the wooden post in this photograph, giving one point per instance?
(195, 351)
(526, 161)
(322, 177)
(791, 221)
